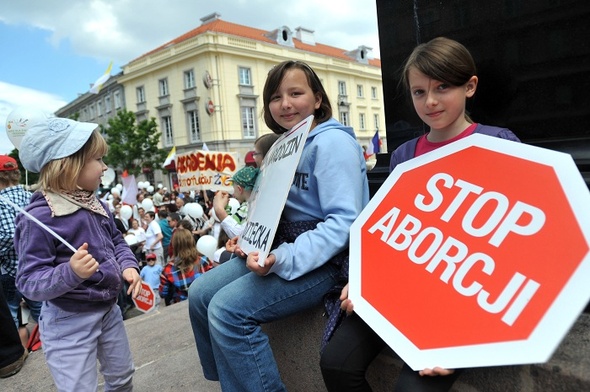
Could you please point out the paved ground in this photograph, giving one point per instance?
(163, 351)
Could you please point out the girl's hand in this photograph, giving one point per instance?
(232, 244)
(237, 250)
(82, 262)
(252, 263)
(346, 304)
(437, 371)
(134, 280)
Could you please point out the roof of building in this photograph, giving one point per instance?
(220, 26)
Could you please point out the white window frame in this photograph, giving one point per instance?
(117, 96)
(107, 104)
(376, 121)
(374, 92)
(341, 87)
(167, 131)
(360, 91)
(362, 122)
(194, 126)
(163, 87)
(248, 115)
(189, 79)
(140, 92)
(245, 76)
(344, 118)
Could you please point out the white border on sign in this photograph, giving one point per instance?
(557, 320)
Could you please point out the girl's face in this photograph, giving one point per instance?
(294, 100)
(440, 105)
(90, 175)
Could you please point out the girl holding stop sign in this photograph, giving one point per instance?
(440, 76)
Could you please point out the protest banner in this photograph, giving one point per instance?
(206, 170)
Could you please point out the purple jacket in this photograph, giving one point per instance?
(44, 272)
(407, 150)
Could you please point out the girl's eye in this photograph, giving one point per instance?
(417, 92)
(443, 86)
(274, 97)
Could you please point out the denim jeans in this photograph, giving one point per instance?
(227, 306)
(14, 298)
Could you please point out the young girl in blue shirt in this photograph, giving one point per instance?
(228, 304)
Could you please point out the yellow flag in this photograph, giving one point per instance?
(170, 158)
(100, 81)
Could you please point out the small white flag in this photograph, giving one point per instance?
(100, 81)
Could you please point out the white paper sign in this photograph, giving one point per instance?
(271, 190)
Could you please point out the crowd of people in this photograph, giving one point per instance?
(231, 293)
(164, 238)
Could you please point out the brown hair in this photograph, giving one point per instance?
(273, 82)
(9, 177)
(185, 250)
(265, 142)
(62, 174)
(442, 59)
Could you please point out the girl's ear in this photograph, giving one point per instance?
(471, 86)
(318, 100)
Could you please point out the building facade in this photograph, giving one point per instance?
(205, 87)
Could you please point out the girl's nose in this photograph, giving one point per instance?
(285, 103)
(430, 99)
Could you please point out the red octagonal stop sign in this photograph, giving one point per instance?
(145, 301)
(475, 254)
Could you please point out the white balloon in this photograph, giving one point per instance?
(207, 245)
(234, 205)
(126, 212)
(115, 191)
(150, 189)
(119, 187)
(20, 120)
(147, 204)
(194, 210)
(130, 239)
(160, 186)
(108, 177)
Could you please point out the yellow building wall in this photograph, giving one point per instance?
(221, 55)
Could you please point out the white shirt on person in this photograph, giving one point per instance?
(151, 235)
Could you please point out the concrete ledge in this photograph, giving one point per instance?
(296, 343)
(166, 360)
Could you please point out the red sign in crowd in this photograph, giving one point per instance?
(145, 301)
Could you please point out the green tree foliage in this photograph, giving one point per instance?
(26, 178)
(132, 146)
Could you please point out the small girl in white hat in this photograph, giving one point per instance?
(80, 321)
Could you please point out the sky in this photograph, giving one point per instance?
(54, 50)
